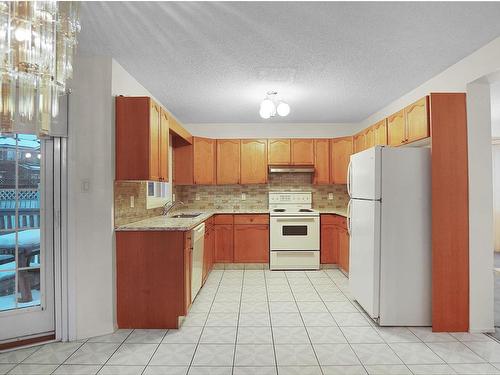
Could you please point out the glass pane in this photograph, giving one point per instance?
(7, 251)
(28, 248)
(29, 161)
(7, 290)
(28, 288)
(7, 183)
(294, 230)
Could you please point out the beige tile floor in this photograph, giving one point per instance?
(254, 321)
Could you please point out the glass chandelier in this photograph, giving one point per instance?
(37, 43)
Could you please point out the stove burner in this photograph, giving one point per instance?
(305, 210)
(279, 210)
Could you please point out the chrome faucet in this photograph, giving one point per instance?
(169, 206)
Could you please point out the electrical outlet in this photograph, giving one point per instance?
(197, 197)
(173, 197)
(330, 196)
(85, 185)
(243, 197)
(132, 201)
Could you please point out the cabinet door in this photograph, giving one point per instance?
(369, 138)
(329, 244)
(183, 165)
(164, 138)
(279, 151)
(302, 151)
(358, 142)
(228, 161)
(253, 161)
(417, 120)
(204, 161)
(321, 161)
(188, 261)
(154, 141)
(380, 133)
(396, 133)
(207, 253)
(343, 249)
(341, 153)
(251, 243)
(223, 244)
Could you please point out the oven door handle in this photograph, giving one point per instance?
(295, 219)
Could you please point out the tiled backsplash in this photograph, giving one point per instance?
(225, 196)
(229, 196)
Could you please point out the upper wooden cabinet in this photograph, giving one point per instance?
(417, 120)
(195, 164)
(141, 139)
(279, 151)
(321, 161)
(341, 150)
(358, 142)
(253, 165)
(228, 161)
(302, 151)
(369, 138)
(380, 133)
(396, 132)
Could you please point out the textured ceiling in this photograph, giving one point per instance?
(211, 62)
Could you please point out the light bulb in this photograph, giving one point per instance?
(264, 113)
(283, 109)
(267, 108)
(27, 155)
(39, 156)
(21, 34)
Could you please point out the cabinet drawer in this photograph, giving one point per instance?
(251, 219)
(334, 219)
(223, 219)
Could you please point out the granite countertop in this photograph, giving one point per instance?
(168, 223)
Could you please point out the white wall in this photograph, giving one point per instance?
(496, 189)
(90, 213)
(273, 130)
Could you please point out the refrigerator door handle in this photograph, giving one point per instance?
(349, 218)
(349, 178)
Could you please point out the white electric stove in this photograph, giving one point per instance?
(294, 232)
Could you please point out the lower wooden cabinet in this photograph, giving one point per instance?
(208, 248)
(223, 243)
(188, 264)
(344, 250)
(251, 243)
(335, 241)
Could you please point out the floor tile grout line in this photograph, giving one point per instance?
(304, 323)
(271, 323)
(119, 346)
(154, 351)
(205, 323)
(53, 372)
(238, 322)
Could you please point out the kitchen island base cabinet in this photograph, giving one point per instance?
(251, 243)
(152, 278)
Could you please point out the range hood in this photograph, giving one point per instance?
(291, 169)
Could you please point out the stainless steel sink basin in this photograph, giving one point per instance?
(185, 216)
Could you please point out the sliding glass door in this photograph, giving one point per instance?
(26, 237)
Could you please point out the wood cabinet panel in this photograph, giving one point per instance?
(417, 120)
(302, 151)
(204, 161)
(223, 219)
(152, 268)
(340, 155)
(253, 161)
(369, 138)
(321, 161)
(251, 219)
(358, 142)
(380, 133)
(396, 133)
(164, 142)
(343, 250)
(228, 161)
(279, 152)
(154, 141)
(188, 264)
(251, 243)
(224, 250)
(183, 165)
(329, 244)
(208, 250)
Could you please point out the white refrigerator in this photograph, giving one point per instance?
(389, 223)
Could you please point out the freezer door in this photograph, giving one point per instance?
(365, 174)
(364, 262)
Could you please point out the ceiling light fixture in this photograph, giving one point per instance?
(271, 105)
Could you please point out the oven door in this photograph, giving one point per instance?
(294, 233)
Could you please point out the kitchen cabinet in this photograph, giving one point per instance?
(396, 133)
(341, 150)
(208, 248)
(253, 164)
(228, 161)
(358, 142)
(321, 161)
(251, 239)
(224, 251)
(417, 120)
(329, 240)
(380, 133)
(204, 161)
(302, 151)
(344, 250)
(369, 138)
(141, 138)
(195, 163)
(153, 278)
(279, 152)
